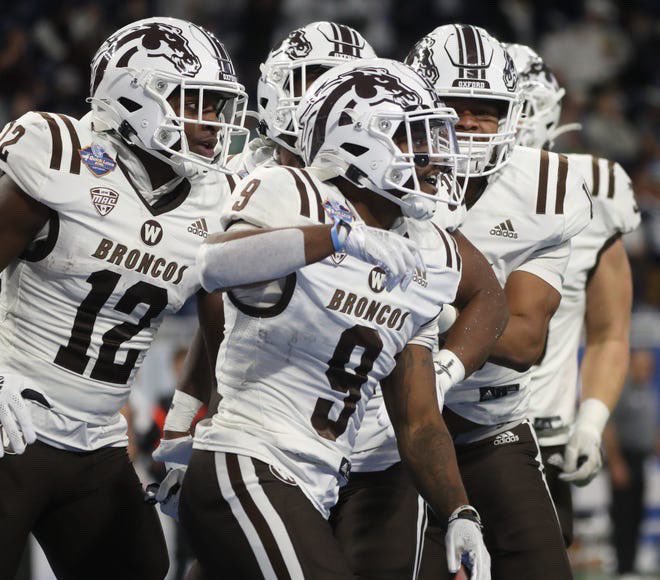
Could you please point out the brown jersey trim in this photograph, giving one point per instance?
(42, 248)
(56, 136)
(443, 237)
(302, 192)
(610, 181)
(269, 311)
(164, 204)
(255, 516)
(319, 202)
(595, 172)
(458, 254)
(75, 145)
(232, 182)
(542, 194)
(608, 242)
(562, 173)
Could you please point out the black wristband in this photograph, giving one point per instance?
(465, 512)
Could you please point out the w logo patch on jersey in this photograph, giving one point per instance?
(151, 232)
(104, 199)
(377, 279)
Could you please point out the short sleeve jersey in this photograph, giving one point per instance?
(80, 308)
(523, 221)
(554, 385)
(296, 376)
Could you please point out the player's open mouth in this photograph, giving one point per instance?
(205, 148)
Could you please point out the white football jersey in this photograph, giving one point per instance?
(80, 308)
(296, 376)
(554, 384)
(524, 221)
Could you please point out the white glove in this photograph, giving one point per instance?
(582, 457)
(169, 492)
(396, 255)
(464, 544)
(384, 420)
(15, 416)
(174, 452)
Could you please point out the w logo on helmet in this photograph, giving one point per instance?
(157, 39)
(297, 45)
(421, 59)
(374, 85)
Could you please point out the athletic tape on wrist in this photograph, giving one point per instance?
(251, 259)
(182, 411)
(593, 414)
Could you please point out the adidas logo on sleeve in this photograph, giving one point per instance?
(504, 230)
(199, 228)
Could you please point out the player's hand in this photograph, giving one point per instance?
(169, 492)
(397, 256)
(15, 416)
(464, 544)
(582, 457)
(174, 452)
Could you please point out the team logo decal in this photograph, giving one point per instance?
(97, 160)
(467, 53)
(104, 199)
(298, 45)
(377, 279)
(283, 478)
(151, 232)
(421, 59)
(338, 257)
(510, 75)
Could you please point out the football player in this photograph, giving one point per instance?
(523, 207)
(100, 222)
(597, 294)
(336, 287)
(290, 68)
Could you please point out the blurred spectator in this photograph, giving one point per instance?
(630, 439)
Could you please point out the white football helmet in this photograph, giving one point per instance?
(283, 80)
(463, 61)
(539, 122)
(140, 66)
(352, 118)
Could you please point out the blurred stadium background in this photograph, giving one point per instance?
(605, 52)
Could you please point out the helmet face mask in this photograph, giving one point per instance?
(539, 123)
(381, 126)
(293, 65)
(465, 62)
(139, 69)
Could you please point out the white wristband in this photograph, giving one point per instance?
(446, 318)
(593, 415)
(449, 370)
(182, 411)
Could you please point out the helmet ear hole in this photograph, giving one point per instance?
(129, 104)
(354, 149)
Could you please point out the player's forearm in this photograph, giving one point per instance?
(259, 255)
(604, 369)
(520, 346)
(428, 453)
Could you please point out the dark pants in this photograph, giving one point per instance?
(87, 511)
(503, 477)
(627, 511)
(379, 521)
(245, 520)
(560, 492)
